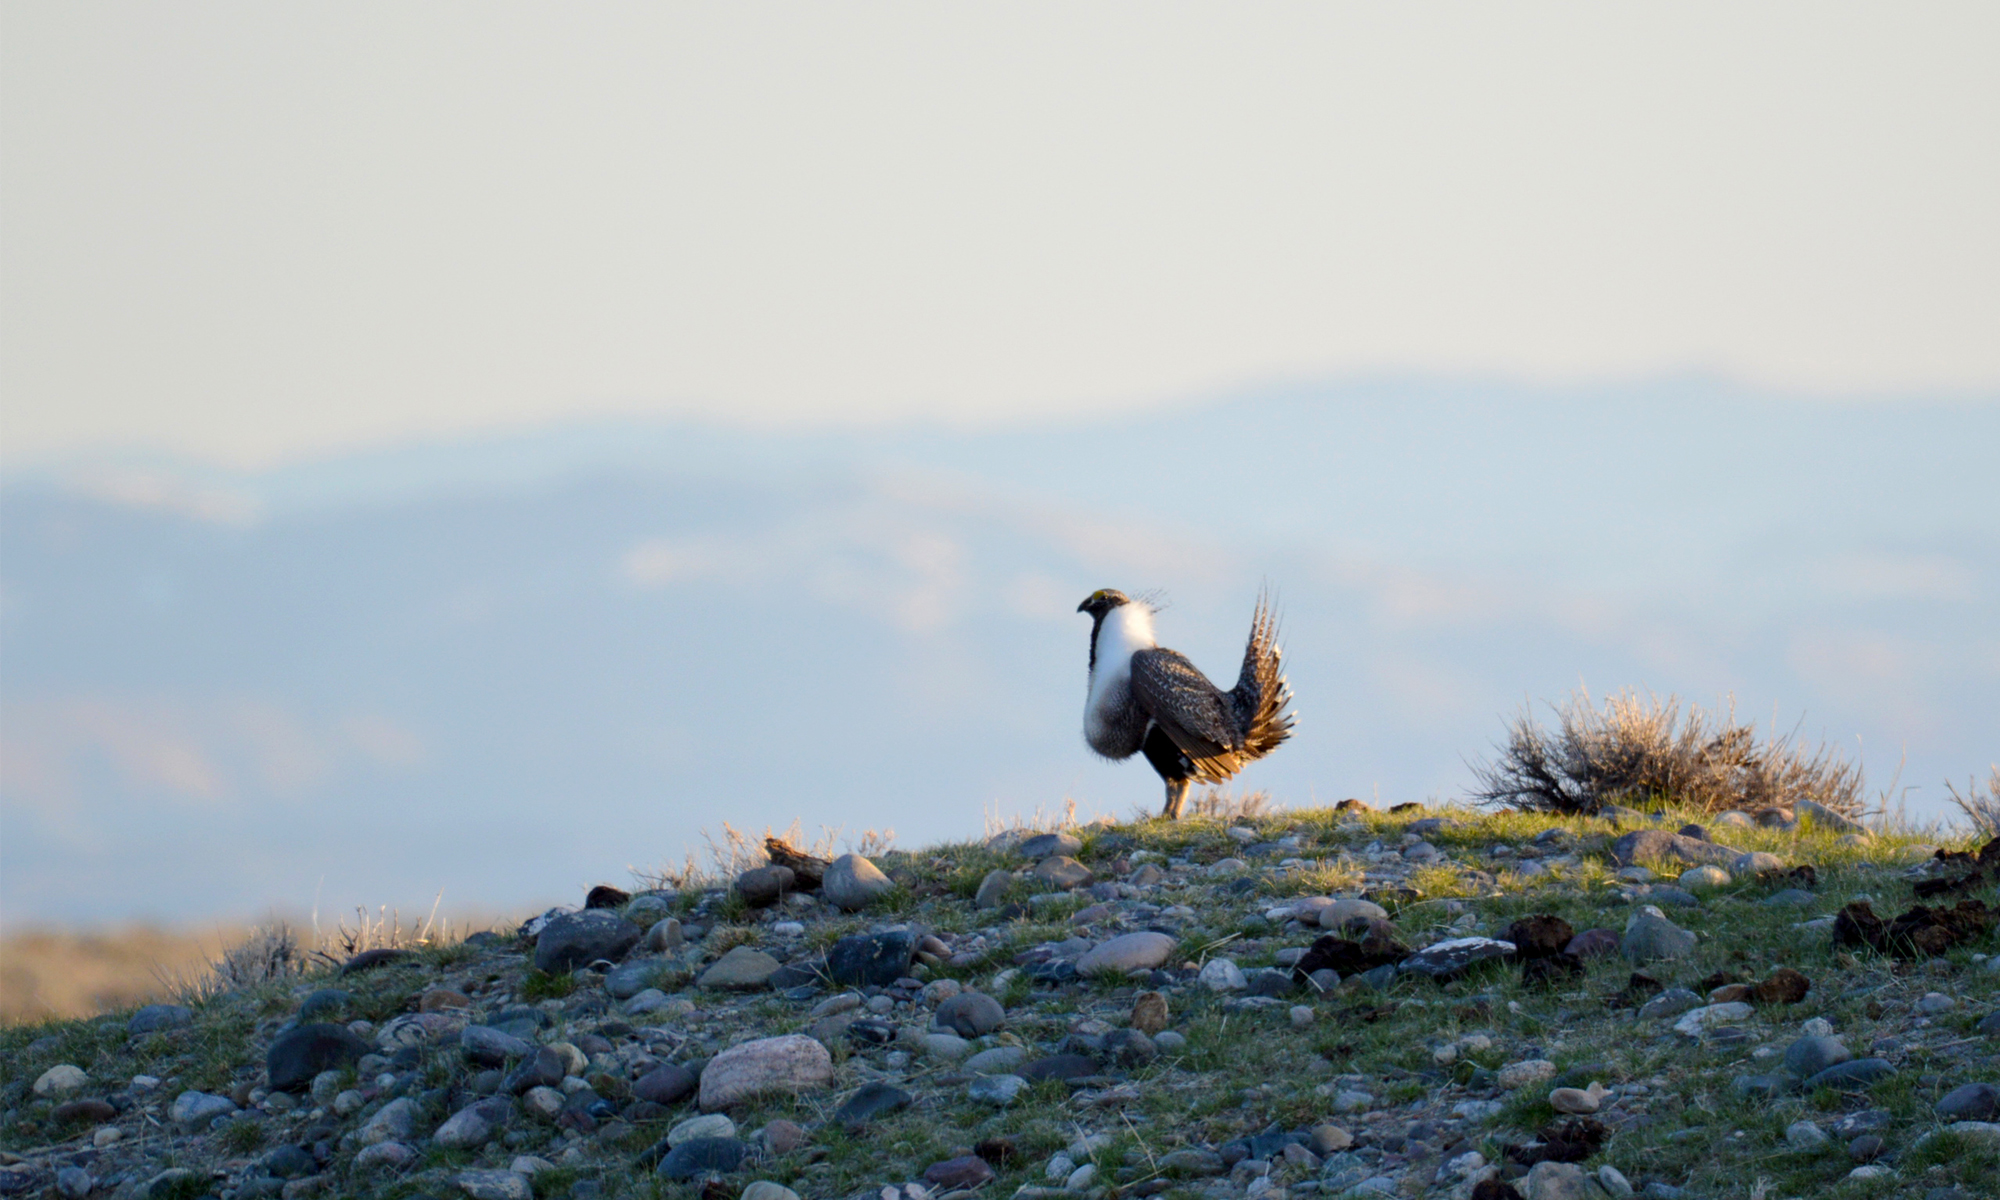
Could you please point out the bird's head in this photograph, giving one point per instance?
(1102, 601)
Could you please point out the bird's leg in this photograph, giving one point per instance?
(1177, 790)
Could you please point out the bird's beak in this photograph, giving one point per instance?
(1084, 607)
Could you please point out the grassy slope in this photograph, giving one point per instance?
(1243, 1071)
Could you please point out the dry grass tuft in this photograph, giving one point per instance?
(1982, 808)
(1634, 749)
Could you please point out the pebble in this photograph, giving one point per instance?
(852, 883)
(965, 1171)
(1859, 1073)
(572, 940)
(394, 1121)
(1755, 861)
(1695, 878)
(60, 1080)
(693, 1159)
(303, 1051)
(790, 1063)
(1696, 1022)
(1578, 1101)
(1934, 1003)
(1141, 951)
(1556, 1181)
(1525, 1073)
(1808, 1056)
(468, 1127)
(1455, 956)
(997, 1061)
(1805, 1136)
(997, 1090)
(1051, 845)
(708, 1125)
(495, 1185)
(743, 969)
(1062, 873)
(1336, 913)
(157, 1018)
(1971, 1102)
(1669, 1003)
(972, 1014)
(1222, 975)
(1650, 937)
(992, 891)
(871, 959)
(764, 1189)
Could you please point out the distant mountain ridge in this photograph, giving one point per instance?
(499, 665)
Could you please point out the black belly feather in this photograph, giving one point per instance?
(1167, 758)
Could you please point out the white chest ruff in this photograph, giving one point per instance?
(1126, 630)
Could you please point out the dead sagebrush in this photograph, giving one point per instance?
(1635, 748)
(1982, 808)
(1224, 805)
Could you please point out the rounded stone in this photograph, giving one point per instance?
(1808, 1056)
(691, 1160)
(1336, 914)
(851, 883)
(1806, 1136)
(972, 1014)
(1755, 861)
(1144, 950)
(1650, 937)
(790, 1063)
(1972, 1102)
(573, 940)
(997, 1090)
(60, 1079)
(156, 1018)
(708, 1125)
(764, 1189)
(1696, 878)
(743, 969)
(665, 1084)
(303, 1051)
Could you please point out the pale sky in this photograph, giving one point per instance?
(258, 232)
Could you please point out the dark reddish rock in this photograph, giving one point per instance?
(606, 896)
(1922, 932)
(1785, 986)
(966, 1171)
(1540, 936)
(97, 1112)
(998, 1150)
(1376, 948)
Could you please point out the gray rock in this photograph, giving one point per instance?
(1646, 844)
(1871, 1120)
(74, 1183)
(743, 969)
(1141, 951)
(993, 889)
(490, 1047)
(871, 959)
(997, 1090)
(572, 940)
(1196, 1162)
(156, 1018)
(665, 1084)
(1789, 898)
(628, 979)
(1806, 1136)
(852, 883)
(1130, 1048)
(1050, 845)
(303, 1051)
(693, 1159)
(1336, 914)
(468, 1127)
(761, 887)
(1972, 1102)
(972, 1014)
(1454, 956)
(1762, 1086)
(394, 1121)
(1670, 1003)
(1808, 1056)
(193, 1110)
(287, 1162)
(1855, 1074)
(1756, 860)
(326, 1002)
(873, 1100)
(1556, 1181)
(1822, 815)
(495, 1185)
(1000, 1060)
(1650, 937)
(1063, 873)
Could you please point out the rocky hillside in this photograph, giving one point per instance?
(1337, 1002)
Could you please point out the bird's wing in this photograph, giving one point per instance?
(1180, 699)
(1258, 700)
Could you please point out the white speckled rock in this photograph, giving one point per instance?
(1526, 1072)
(792, 1063)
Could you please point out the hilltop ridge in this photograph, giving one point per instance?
(1271, 1004)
